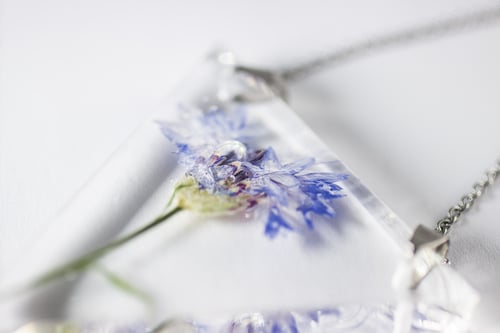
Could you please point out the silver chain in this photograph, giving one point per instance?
(277, 80)
(432, 30)
(468, 200)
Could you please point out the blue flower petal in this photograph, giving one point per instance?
(318, 207)
(284, 179)
(275, 222)
(298, 166)
(269, 160)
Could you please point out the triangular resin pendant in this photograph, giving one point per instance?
(269, 222)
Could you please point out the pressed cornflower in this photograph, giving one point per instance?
(214, 148)
(233, 177)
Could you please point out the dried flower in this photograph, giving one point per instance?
(224, 175)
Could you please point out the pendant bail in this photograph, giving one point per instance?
(255, 77)
(425, 237)
(430, 249)
(258, 85)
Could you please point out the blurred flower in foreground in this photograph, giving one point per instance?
(343, 318)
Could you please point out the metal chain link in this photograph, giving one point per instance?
(468, 200)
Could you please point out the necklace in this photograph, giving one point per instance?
(229, 150)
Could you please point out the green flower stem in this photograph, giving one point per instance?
(123, 285)
(82, 263)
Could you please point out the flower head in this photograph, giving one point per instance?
(225, 175)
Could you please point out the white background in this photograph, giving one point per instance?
(418, 123)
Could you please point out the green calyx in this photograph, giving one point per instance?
(189, 196)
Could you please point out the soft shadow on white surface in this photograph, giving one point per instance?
(417, 124)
